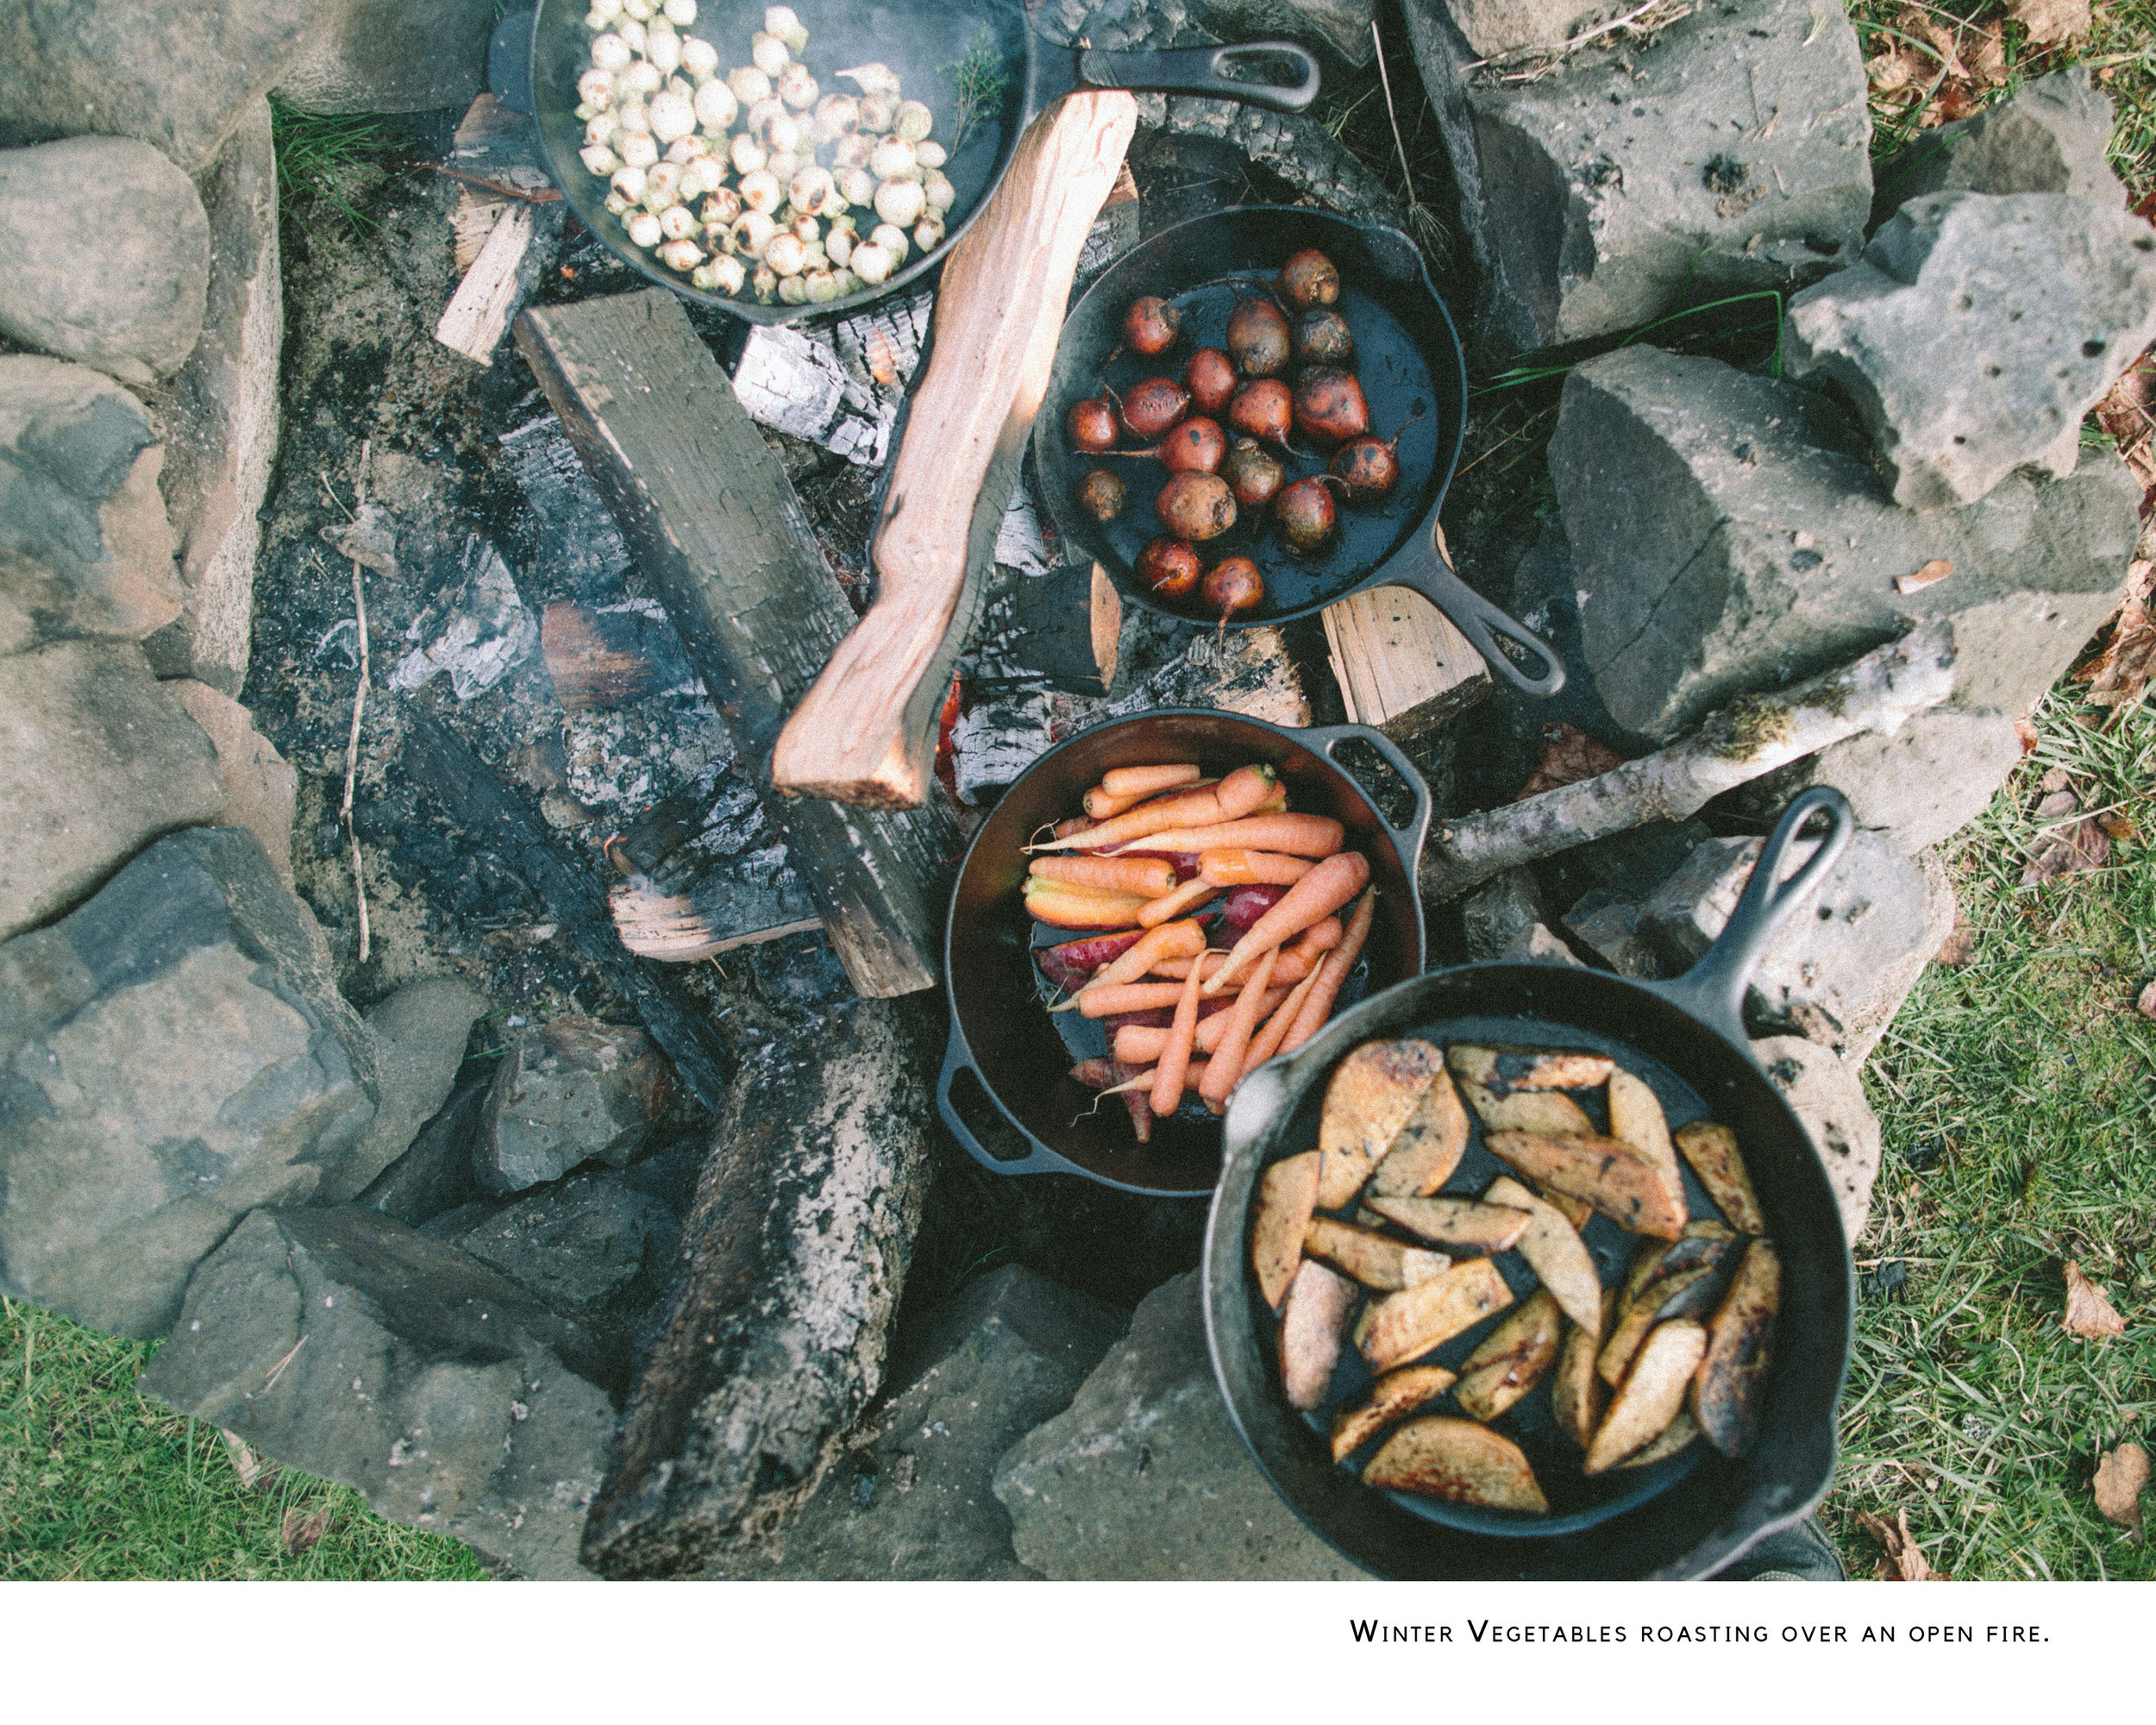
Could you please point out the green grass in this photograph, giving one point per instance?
(323, 160)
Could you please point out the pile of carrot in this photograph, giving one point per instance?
(1156, 847)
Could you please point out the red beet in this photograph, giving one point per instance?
(1152, 325)
(1265, 409)
(1211, 378)
(1195, 506)
(1254, 476)
(1233, 585)
(1246, 904)
(1153, 406)
(1330, 405)
(1323, 338)
(1101, 493)
(1070, 965)
(1196, 445)
(1169, 567)
(1368, 468)
(1306, 514)
(1310, 278)
(1092, 425)
(1257, 338)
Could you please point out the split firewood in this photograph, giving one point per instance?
(1878, 692)
(506, 213)
(1401, 666)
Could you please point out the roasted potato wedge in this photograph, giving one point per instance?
(1712, 1151)
(1368, 1099)
(1404, 1326)
(1661, 1299)
(1460, 1461)
(1313, 1321)
(1501, 1071)
(1612, 1177)
(1553, 1249)
(1578, 1393)
(1702, 1242)
(1636, 1118)
(1454, 1221)
(1574, 1210)
(1651, 1395)
(1374, 1260)
(1678, 1433)
(1729, 1386)
(1512, 1359)
(1427, 1149)
(1286, 1198)
(1394, 1396)
(1529, 1110)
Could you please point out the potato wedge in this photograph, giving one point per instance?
(1512, 1359)
(1636, 1118)
(1678, 1433)
(1553, 1249)
(1712, 1151)
(1502, 1070)
(1531, 1111)
(1574, 1210)
(1727, 1389)
(1661, 1299)
(1460, 1461)
(1403, 1325)
(1578, 1393)
(1368, 1099)
(1374, 1260)
(1313, 1321)
(1612, 1177)
(1702, 1242)
(1286, 1196)
(1393, 1396)
(1651, 1397)
(1453, 1221)
(1427, 1149)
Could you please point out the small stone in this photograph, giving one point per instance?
(2052, 135)
(260, 789)
(435, 1176)
(593, 1248)
(573, 1090)
(419, 1037)
(1827, 1098)
(105, 256)
(1500, 911)
(394, 57)
(1610, 925)
(1538, 945)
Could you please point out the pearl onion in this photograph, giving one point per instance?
(596, 87)
(928, 234)
(672, 116)
(858, 186)
(608, 9)
(784, 164)
(876, 112)
(633, 118)
(839, 114)
(928, 153)
(681, 254)
(600, 128)
(822, 284)
(900, 201)
(616, 204)
(722, 203)
(687, 148)
(892, 158)
(875, 78)
(839, 245)
(746, 153)
(913, 122)
(640, 9)
(780, 21)
(639, 149)
(702, 176)
(812, 191)
(748, 84)
(892, 240)
(682, 12)
(796, 88)
(793, 289)
(853, 151)
(716, 107)
(942, 194)
(871, 262)
(662, 185)
(721, 275)
(662, 48)
(769, 54)
(785, 255)
(760, 191)
(643, 78)
(807, 229)
(610, 53)
(643, 229)
(629, 182)
(698, 58)
(782, 132)
(632, 33)
(752, 231)
(677, 222)
(598, 160)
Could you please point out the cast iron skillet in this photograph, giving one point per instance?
(1680, 1519)
(924, 42)
(1408, 357)
(1001, 1033)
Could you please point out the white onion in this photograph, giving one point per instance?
(913, 122)
(598, 160)
(662, 48)
(596, 86)
(871, 262)
(858, 186)
(900, 201)
(682, 12)
(698, 58)
(748, 84)
(892, 158)
(770, 54)
(796, 88)
(716, 107)
(746, 153)
(628, 182)
(812, 191)
(677, 222)
(643, 229)
(638, 149)
(760, 191)
(930, 154)
(672, 116)
(752, 231)
(875, 78)
(611, 53)
(780, 21)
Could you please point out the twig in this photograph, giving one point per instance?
(1392, 118)
(277, 1371)
(358, 708)
(550, 195)
(1573, 44)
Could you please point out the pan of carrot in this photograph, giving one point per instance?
(1154, 909)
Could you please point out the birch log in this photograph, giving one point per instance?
(865, 733)
(1878, 692)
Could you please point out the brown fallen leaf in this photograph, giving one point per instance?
(1984, 52)
(303, 1530)
(2120, 826)
(2089, 1308)
(2122, 1477)
(1928, 576)
(2069, 848)
(1903, 1559)
(1958, 947)
(2147, 1004)
(2027, 733)
(2051, 21)
(1889, 71)
(1932, 35)
(1568, 755)
(2118, 677)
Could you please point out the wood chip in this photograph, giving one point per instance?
(2122, 1477)
(1930, 575)
(2089, 1309)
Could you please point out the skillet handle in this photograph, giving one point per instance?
(1423, 566)
(957, 1058)
(1408, 839)
(1204, 72)
(509, 61)
(1714, 988)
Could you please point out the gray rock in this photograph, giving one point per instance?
(85, 549)
(105, 256)
(1726, 156)
(1502, 27)
(2052, 135)
(1977, 333)
(1142, 1477)
(1633, 862)
(1731, 536)
(1538, 945)
(910, 1500)
(172, 1055)
(220, 417)
(1919, 786)
(392, 57)
(178, 77)
(571, 1091)
(1343, 26)
(100, 762)
(1500, 911)
(1828, 1096)
(259, 788)
(1610, 924)
(435, 1176)
(419, 1037)
(593, 1248)
(343, 1344)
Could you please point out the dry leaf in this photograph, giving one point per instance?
(2089, 1309)
(303, 1530)
(1933, 35)
(2051, 21)
(1904, 1558)
(1930, 575)
(2124, 411)
(1890, 72)
(1568, 755)
(2122, 1477)
(1958, 947)
(253, 1470)
(2027, 733)
(2120, 825)
(1984, 52)
(2147, 1004)
(2067, 849)
(2118, 677)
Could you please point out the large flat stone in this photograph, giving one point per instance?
(1828, 1097)
(419, 1037)
(346, 1346)
(1919, 786)
(1504, 26)
(392, 57)
(261, 788)
(2052, 135)
(1142, 1477)
(1731, 536)
(99, 762)
(85, 548)
(593, 1247)
(435, 1176)
(172, 1055)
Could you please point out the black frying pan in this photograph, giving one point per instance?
(1676, 1520)
(1408, 356)
(1000, 1031)
(924, 42)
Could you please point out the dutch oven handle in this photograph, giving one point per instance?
(508, 58)
(1204, 72)
(1714, 988)
(1408, 839)
(957, 1058)
(1422, 566)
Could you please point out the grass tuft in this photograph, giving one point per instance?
(321, 158)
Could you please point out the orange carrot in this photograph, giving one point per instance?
(1139, 874)
(1317, 1006)
(1266, 1043)
(1062, 905)
(1245, 868)
(1235, 796)
(1298, 835)
(1311, 899)
(1103, 804)
(1071, 828)
(1319, 936)
(1144, 1080)
(1142, 781)
(1235, 1042)
(1098, 1002)
(1180, 901)
(1170, 940)
(1141, 1045)
(1297, 962)
(1174, 1069)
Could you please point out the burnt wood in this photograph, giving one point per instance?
(719, 538)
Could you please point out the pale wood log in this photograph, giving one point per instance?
(488, 296)
(865, 734)
(1107, 619)
(1400, 664)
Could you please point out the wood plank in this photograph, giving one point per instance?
(865, 732)
(720, 540)
(1400, 664)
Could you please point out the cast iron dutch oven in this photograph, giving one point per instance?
(924, 42)
(1408, 359)
(1679, 1519)
(1003, 1040)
